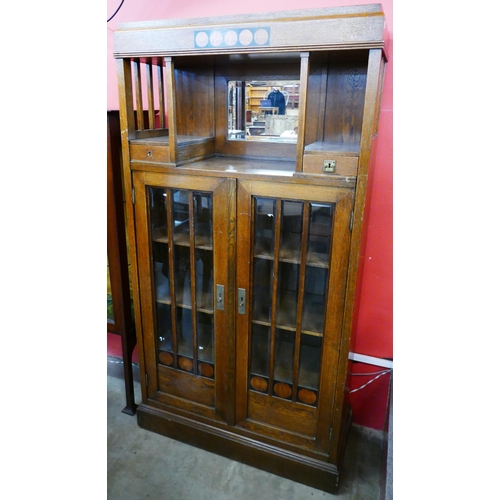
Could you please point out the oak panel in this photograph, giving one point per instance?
(293, 417)
(186, 385)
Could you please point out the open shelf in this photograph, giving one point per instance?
(347, 148)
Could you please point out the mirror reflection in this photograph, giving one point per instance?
(263, 110)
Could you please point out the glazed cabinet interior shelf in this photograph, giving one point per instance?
(247, 149)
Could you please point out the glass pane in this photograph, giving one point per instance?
(158, 214)
(202, 209)
(259, 358)
(204, 281)
(318, 256)
(289, 267)
(313, 318)
(161, 285)
(320, 232)
(263, 269)
(164, 332)
(180, 212)
(162, 274)
(288, 284)
(291, 231)
(190, 217)
(262, 290)
(283, 360)
(309, 366)
(205, 332)
(264, 215)
(203, 220)
(205, 337)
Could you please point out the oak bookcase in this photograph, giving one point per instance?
(245, 249)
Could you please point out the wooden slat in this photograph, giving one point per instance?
(274, 307)
(171, 108)
(224, 242)
(161, 96)
(244, 255)
(138, 96)
(304, 80)
(171, 266)
(300, 302)
(151, 101)
(192, 272)
(145, 282)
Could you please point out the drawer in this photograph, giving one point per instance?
(147, 152)
(344, 165)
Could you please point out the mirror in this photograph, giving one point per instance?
(263, 110)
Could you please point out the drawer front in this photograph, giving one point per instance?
(344, 165)
(145, 152)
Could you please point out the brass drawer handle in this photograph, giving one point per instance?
(149, 153)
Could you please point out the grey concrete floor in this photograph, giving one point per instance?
(145, 465)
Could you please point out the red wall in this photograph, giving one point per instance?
(374, 322)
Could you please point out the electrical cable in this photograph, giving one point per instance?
(116, 11)
(370, 381)
(372, 373)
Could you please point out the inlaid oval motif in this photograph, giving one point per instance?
(186, 364)
(282, 390)
(306, 396)
(259, 383)
(166, 358)
(206, 370)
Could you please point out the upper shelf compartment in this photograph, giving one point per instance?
(336, 90)
(209, 87)
(178, 125)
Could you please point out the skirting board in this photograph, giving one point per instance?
(370, 360)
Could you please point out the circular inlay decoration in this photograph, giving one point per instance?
(166, 358)
(206, 370)
(246, 37)
(186, 364)
(230, 38)
(282, 390)
(201, 39)
(306, 396)
(261, 36)
(259, 383)
(216, 38)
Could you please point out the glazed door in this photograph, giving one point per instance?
(183, 226)
(293, 244)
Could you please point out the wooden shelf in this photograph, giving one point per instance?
(312, 319)
(204, 299)
(290, 252)
(203, 239)
(347, 148)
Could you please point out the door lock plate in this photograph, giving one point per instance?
(329, 166)
(220, 297)
(241, 301)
